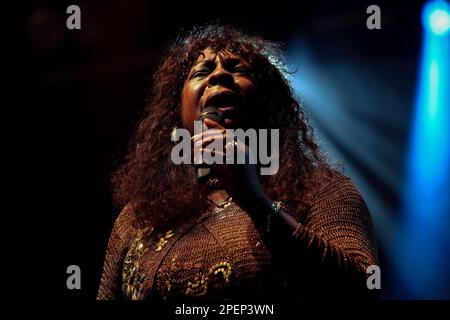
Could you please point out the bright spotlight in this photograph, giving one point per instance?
(425, 242)
(436, 17)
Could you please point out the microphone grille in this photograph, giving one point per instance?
(212, 113)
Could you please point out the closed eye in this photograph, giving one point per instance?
(200, 73)
(243, 70)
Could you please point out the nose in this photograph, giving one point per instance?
(220, 77)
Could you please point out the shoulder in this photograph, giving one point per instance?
(337, 213)
(333, 181)
(123, 225)
(328, 185)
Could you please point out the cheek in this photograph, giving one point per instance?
(249, 90)
(190, 105)
(251, 110)
(247, 86)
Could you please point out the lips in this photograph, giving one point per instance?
(223, 100)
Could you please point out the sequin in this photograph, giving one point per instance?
(163, 240)
(132, 278)
(199, 286)
(334, 232)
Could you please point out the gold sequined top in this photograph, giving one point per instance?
(222, 255)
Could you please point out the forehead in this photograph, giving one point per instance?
(208, 54)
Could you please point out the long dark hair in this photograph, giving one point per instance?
(161, 193)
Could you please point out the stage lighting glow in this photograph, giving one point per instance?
(436, 17)
(423, 250)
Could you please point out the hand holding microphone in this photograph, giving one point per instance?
(203, 171)
(240, 181)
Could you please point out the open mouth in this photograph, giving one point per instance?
(224, 100)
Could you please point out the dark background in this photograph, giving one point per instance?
(84, 91)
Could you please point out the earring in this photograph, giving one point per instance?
(173, 135)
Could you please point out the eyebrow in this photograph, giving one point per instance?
(204, 61)
(224, 60)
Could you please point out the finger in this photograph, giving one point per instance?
(208, 132)
(230, 145)
(229, 123)
(219, 156)
(205, 139)
(212, 151)
(213, 124)
(209, 139)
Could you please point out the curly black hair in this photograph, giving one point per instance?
(161, 193)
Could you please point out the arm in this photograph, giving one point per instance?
(332, 246)
(110, 283)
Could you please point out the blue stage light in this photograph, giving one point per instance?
(424, 244)
(436, 17)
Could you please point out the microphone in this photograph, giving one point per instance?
(203, 171)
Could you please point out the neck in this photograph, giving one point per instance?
(217, 196)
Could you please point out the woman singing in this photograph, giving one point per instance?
(302, 232)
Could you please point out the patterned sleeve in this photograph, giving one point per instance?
(110, 283)
(334, 243)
